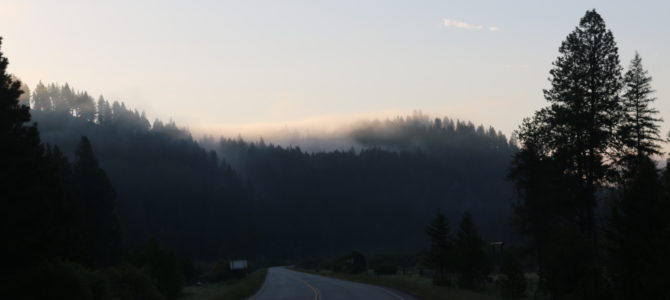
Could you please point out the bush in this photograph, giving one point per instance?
(353, 263)
(188, 270)
(512, 283)
(129, 282)
(59, 280)
(162, 266)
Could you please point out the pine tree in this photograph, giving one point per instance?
(438, 256)
(585, 109)
(104, 111)
(568, 152)
(97, 199)
(640, 130)
(639, 235)
(29, 192)
(41, 99)
(473, 264)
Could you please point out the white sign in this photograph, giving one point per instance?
(238, 264)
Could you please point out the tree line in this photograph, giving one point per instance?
(240, 197)
(380, 195)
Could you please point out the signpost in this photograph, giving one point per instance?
(238, 264)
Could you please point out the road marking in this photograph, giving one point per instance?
(317, 293)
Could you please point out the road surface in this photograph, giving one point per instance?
(282, 283)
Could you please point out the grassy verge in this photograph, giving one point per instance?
(230, 290)
(420, 287)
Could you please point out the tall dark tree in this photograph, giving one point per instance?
(640, 130)
(571, 142)
(438, 256)
(29, 192)
(473, 265)
(97, 198)
(585, 109)
(639, 235)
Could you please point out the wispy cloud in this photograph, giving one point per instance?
(463, 25)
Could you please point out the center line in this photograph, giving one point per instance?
(317, 294)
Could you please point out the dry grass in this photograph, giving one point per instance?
(230, 290)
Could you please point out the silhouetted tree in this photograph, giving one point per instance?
(574, 139)
(29, 193)
(639, 235)
(640, 130)
(472, 263)
(97, 198)
(439, 255)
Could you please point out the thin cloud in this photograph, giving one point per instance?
(463, 25)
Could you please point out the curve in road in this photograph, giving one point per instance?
(282, 283)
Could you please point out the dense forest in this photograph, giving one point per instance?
(375, 197)
(380, 195)
(167, 186)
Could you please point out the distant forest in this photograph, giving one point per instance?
(235, 198)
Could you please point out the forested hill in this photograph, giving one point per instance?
(167, 186)
(285, 202)
(380, 193)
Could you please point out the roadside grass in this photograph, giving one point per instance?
(420, 287)
(229, 290)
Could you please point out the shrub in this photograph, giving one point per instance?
(129, 282)
(353, 263)
(59, 280)
(512, 283)
(162, 266)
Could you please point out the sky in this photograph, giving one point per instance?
(235, 66)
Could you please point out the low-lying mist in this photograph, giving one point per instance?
(393, 132)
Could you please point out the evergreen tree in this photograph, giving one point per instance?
(29, 192)
(473, 265)
(97, 199)
(640, 130)
(104, 111)
(639, 235)
(438, 256)
(41, 99)
(572, 144)
(585, 109)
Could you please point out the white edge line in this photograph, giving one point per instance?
(265, 282)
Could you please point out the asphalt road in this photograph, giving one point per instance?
(282, 283)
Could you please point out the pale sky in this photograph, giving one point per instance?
(238, 64)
